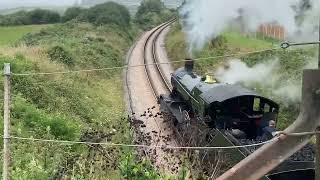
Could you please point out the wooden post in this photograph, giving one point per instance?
(6, 123)
(317, 162)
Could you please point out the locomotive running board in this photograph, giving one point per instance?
(269, 156)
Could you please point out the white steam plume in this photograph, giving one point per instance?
(204, 20)
(238, 72)
(263, 75)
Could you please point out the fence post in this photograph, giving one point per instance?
(6, 123)
(317, 162)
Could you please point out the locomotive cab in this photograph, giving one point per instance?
(237, 115)
(248, 114)
(223, 106)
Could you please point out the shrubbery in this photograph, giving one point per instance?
(108, 13)
(41, 16)
(151, 13)
(37, 16)
(59, 54)
(72, 13)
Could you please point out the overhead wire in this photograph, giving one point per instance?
(143, 146)
(140, 65)
(276, 138)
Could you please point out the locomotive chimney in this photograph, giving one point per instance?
(188, 66)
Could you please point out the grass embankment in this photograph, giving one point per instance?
(12, 33)
(290, 71)
(77, 106)
(229, 42)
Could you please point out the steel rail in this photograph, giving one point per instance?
(147, 70)
(156, 59)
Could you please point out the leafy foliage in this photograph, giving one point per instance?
(108, 13)
(84, 106)
(41, 16)
(131, 169)
(151, 13)
(72, 13)
(37, 16)
(58, 53)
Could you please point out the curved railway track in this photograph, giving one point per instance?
(154, 64)
(144, 84)
(155, 59)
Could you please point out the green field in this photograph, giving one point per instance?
(237, 40)
(10, 34)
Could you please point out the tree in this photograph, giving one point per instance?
(108, 13)
(151, 12)
(18, 18)
(41, 16)
(155, 6)
(72, 13)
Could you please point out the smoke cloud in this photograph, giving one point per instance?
(266, 76)
(204, 20)
(238, 72)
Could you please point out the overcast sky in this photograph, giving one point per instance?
(4, 4)
(7, 4)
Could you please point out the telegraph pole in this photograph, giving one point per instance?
(6, 123)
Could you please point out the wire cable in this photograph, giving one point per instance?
(141, 146)
(140, 65)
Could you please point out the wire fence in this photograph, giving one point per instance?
(142, 65)
(277, 137)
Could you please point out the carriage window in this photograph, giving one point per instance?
(256, 104)
(266, 108)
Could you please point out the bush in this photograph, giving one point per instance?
(151, 13)
(72, 13)
(130, 168)
(18, 18)
(155, 6)
(41, 16)
(59, 54)
(108, 13)
(41, 122)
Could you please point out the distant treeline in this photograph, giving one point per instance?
(100, 14)
(37, 16)
(150, 13)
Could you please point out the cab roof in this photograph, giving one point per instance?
(223, 92)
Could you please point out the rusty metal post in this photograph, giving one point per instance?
(273, 154)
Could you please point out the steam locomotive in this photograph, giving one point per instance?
(237, 113)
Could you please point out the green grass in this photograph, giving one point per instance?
(239, 41)
(9, 35)
(78, 107)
